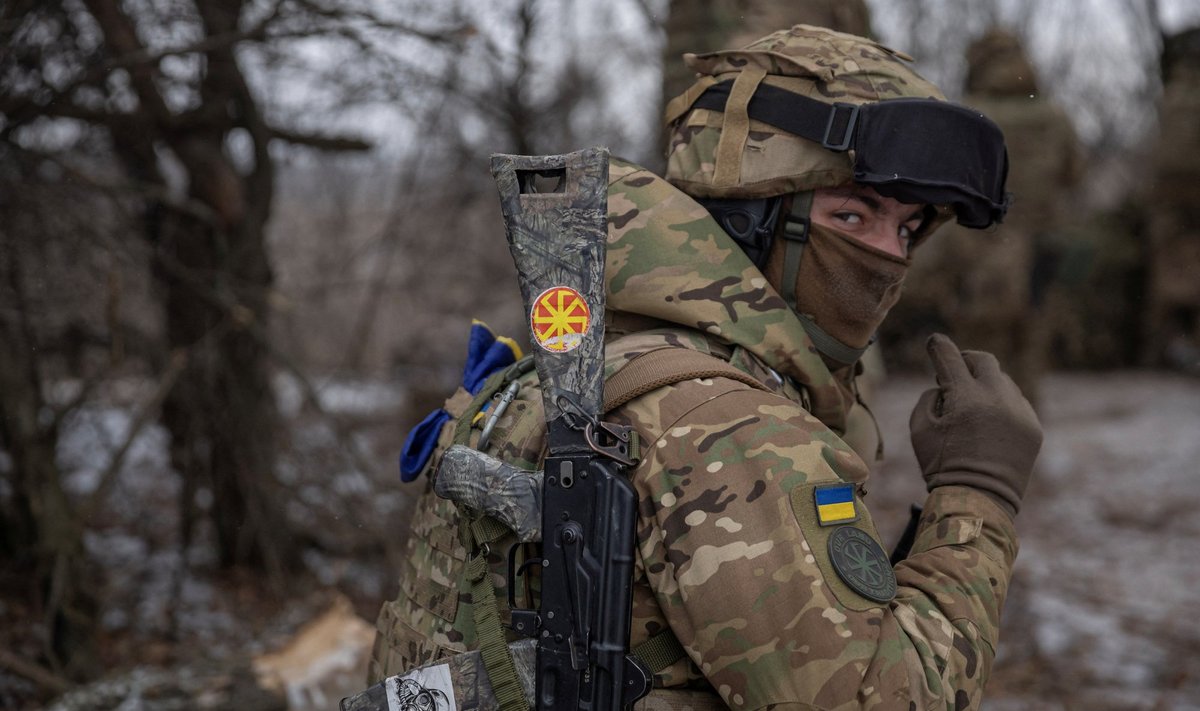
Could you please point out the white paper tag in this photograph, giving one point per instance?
(428, 689)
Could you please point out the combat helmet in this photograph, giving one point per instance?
(808, 108)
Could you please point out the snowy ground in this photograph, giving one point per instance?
(1105, 609)
(1104, 612)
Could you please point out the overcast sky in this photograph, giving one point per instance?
(1096, 60)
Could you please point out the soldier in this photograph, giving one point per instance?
(734, 325)
(1172, 311)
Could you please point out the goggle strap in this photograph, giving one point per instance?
(831, 125)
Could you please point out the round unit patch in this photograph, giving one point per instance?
(861, 563)
(559, 319)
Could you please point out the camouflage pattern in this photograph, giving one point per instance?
(731, 557)
(431, 618)
(557, 239)
(485, 484)
(715, 24)
(812, 61)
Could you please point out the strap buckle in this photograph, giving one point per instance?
(843, 117)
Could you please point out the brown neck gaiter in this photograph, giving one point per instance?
(847, 287)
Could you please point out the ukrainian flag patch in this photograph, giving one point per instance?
(835, 504)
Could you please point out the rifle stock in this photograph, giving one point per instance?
(558, 242)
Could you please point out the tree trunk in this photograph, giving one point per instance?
(215, 278)
(41, 533)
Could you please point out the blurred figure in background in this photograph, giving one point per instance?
(1172, 219)
(988, 291)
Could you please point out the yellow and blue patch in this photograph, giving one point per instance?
(835, 504)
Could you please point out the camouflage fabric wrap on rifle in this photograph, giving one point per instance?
(510, 495)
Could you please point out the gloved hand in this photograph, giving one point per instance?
(975, 429)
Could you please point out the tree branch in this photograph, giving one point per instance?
(175, 366)
(42, 677)
(319, 142)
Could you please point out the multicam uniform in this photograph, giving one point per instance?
(732, 557)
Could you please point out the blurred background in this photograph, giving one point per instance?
(242, 242)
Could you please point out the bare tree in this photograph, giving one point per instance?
(154, 107)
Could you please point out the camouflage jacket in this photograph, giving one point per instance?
(732, 557)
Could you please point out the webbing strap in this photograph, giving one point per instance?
(486, 529)
(829, 345)
(660, 651)
(667, 366)
(681, 104)
(795, 235)
(735, 128)
(491, 386)
(493, 647)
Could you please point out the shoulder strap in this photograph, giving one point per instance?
(667, 366)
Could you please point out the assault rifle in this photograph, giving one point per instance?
(558, 239)
(581, 505)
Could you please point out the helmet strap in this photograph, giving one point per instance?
(795, 235)
(796, 227)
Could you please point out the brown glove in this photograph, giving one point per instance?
(975, 429)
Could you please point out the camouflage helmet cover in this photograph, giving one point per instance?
(715, 154)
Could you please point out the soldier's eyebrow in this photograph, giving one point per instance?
(851, 194)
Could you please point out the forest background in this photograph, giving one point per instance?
(242, 242)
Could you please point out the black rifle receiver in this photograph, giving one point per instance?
(555, 216)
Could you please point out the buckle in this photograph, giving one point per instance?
(847, 132)
(796, 228)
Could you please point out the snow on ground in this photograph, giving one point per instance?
(1105, 608)
(1104, 611)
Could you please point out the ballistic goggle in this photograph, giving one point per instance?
(913, 150)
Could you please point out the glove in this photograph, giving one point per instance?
(975, 429)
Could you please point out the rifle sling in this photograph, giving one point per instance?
(667, 366)
(660, 651)
(493, 645)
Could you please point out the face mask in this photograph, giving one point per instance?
(847, 287)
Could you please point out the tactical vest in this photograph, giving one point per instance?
(443, 599)
(437, 613)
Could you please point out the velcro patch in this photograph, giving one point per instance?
(835, 504)
(817, 540)
(862, 564)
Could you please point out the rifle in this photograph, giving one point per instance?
(587, 506)
(558, 240)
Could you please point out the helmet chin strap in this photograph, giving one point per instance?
(796, 226)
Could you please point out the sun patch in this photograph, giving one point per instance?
(559, 319)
